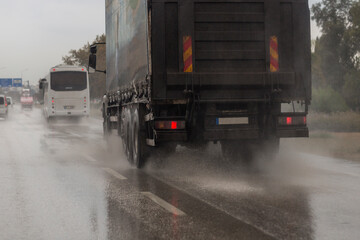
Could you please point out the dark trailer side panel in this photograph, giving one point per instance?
(230, 43)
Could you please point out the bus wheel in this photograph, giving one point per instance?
(138, 138)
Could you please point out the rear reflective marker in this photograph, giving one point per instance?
(274, 54)
(187, 54)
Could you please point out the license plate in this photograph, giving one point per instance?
(68, 107)
(232, 121)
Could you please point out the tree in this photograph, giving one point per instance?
(81, 57)
(351, 89)
(332, 47)
(353, 32)
(335, 61)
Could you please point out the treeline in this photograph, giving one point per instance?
(336, 56)
(81, 57)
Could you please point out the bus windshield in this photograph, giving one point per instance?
(68, 81)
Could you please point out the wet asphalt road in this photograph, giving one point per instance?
(63, 181)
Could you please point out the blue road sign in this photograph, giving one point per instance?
(5, 82)
(17, 82)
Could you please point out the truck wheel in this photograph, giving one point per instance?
(138, 138)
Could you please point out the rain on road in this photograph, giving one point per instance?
(62, 181)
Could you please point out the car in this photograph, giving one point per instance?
(3, 106)
(10, 102)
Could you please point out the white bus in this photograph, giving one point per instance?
(66, 92)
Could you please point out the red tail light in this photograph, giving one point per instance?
(294, 120)
(173, 125)
(288, 120)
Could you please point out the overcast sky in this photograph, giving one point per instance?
(34, 35)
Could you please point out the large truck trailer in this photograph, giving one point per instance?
(193, 71)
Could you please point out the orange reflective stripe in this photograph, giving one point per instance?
(274, 54)
(187, 54)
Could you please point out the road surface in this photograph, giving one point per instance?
(63, 181)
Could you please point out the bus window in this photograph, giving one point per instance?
(68, 81)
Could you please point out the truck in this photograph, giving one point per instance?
(26, 100)
(191, 72)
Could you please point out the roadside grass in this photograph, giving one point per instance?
(334, 122)
(331, 134)
(320, 134)
(343, 145)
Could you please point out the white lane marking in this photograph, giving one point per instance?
(162, 203)
(114, 173)
(89, 158)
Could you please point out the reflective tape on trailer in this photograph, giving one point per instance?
(187, 55)
(274, 54)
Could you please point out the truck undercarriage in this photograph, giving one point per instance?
(242, 126)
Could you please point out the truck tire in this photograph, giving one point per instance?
(138, 138)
